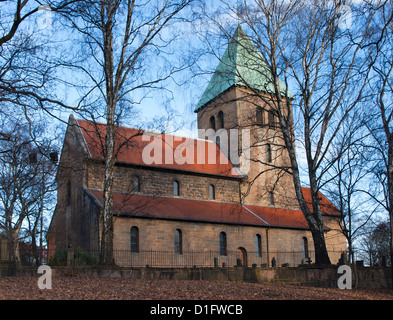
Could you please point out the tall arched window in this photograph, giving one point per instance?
(212, 123)
(134, 239)
(178, 241)
(212, 192)
(69, 213)
(136, 184)
(259, 116)
(68, 193)
(305, 248)
(271, 119)
(268, 153)
(176, 188)
(271, 198)
(220, 116)
(258, 245)
(223, 244)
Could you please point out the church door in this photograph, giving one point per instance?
(241, 256)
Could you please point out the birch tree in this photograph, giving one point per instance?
(26, 177)
(379, 109)
(315, 51)
(121, 44)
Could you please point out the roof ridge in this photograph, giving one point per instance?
(151, 131)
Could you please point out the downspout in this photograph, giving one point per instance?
(267, 233)
(267, 246)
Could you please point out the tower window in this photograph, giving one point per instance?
(212, 123)
(137, 185)
(176, 188)
(268, 153)
(271, 198)
(212, 192)
(271, 119)
(259, 116)
(220, 120)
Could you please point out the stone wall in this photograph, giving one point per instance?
(284, 245)
(160, 182)
(368, 277)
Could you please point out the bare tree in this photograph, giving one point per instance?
(119, 40)
(26, 177)
(314, 66)
(375, 245)
(347, 180)
(380, 108)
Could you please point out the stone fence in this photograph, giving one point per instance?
(362, 277)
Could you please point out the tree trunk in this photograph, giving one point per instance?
(13, 251)
(107, 231)
(314, 219)
(390, 199)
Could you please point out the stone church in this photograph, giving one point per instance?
(220, 201)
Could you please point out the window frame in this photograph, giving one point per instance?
(268, 153)
(220, 116)
(136, 184)
(271, 198)
(212, 192)
(212, 122)
(176, 188)
(134, 239)
(178, 241)
(258, 245)
(259, 112)
(223, 244)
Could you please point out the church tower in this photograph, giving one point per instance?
(236, 101)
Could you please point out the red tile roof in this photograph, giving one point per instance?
(133, 149)
(326, 206)
(203, 211)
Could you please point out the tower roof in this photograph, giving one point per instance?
(242, 64)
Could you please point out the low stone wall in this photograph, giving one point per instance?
(366, 277)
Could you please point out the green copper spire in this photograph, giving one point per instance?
(242, 64)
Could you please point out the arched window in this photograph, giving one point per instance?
(134, 239)
(258, 245)
(68, 213)
(223, 244)
(268, 153)
(176, 188)
(178, 241)
(271, 198)
(259, 116)
(68, 193)
(271, 119)
(220, 120)
(305, 248)
(212, 192)
(212, 123)
(136, 184)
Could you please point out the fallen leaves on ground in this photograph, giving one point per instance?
(94, 288)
